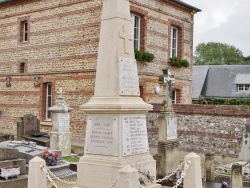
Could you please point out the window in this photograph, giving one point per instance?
(136, 19)
(174, 42)
(48, 101)
(22, 65)
(243, 87)
(24, 31)
(173, 97)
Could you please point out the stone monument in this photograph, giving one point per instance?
(60, 135)
(116, 134)
(168, 142)
(245, 147)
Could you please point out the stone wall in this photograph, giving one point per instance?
(207, 128)
(62, 49)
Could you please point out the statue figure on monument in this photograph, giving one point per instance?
(167, 80)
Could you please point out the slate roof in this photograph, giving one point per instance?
(220, 80)
(186, 5)
(176, 1)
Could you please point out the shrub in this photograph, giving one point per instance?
(144, 57)
(178, 62)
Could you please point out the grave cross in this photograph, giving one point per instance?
(126, 35)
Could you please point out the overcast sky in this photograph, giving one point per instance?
(225, 21)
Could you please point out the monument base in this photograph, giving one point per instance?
(96, 171)
(169, 151)
(61, 141)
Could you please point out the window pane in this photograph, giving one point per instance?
(174, 42)
(136, 30)
(48, 99)
(246, 87)
(240, 87)
(25, 31)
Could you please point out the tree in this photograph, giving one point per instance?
(247, 60)
(213, 53)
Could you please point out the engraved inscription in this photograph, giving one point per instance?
(63, 122)
(135, 140)
(129, 84)
(172, 128)
(101, 136)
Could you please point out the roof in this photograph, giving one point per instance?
(242, 79)
(199, 76)
(220, 80)
(175, 1)
(186, 5)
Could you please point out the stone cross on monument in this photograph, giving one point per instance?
(167, 80)
(116, 134)
(124, 34)
(168, 142)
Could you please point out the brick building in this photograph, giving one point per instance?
(48, 44)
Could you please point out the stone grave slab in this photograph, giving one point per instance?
(27, 150)
(8, 153)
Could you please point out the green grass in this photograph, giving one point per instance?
(72, 158)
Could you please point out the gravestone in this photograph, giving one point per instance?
(9, 158)
(245, 146)
(168, 145)
(116, 134)
(27, 150)
(60, 136)
(29, 129)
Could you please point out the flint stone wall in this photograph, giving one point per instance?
(206, 128)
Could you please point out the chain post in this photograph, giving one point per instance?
(168, 176)
(183, 173)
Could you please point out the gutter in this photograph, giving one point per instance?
(186, 5)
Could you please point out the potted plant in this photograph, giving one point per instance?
(50, 157)
(144, 57)
(179, 62)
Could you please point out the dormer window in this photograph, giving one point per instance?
(242, 81)
(243, 87)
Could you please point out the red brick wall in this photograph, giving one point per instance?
(213, 110)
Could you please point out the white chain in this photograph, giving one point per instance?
(113, 183)
(50, 175)
(174, 172)
(179, 181)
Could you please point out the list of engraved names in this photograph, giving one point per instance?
(135, 140)
(102, 137)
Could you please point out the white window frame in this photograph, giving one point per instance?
(243, 87)
(135, 18)
(174, 41)
(25, 31)
(48, 97)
